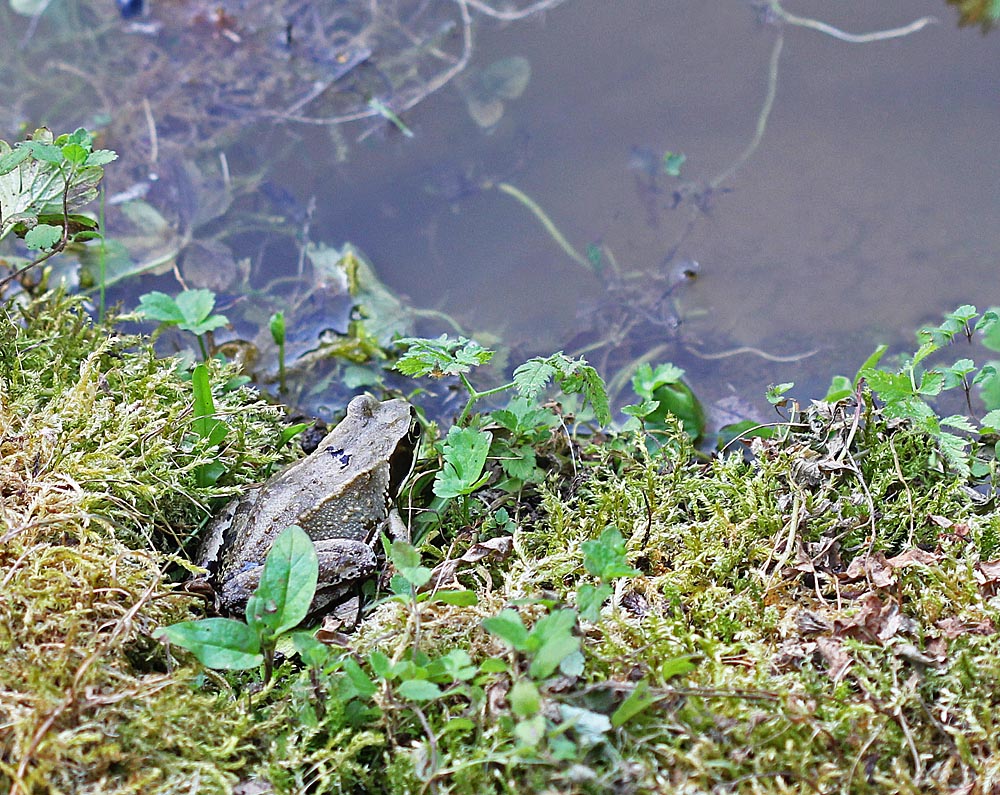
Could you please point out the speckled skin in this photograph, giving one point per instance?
(339, 495)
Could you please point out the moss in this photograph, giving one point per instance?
(781, 645)
(96, 475)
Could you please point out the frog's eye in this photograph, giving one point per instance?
(341, 456)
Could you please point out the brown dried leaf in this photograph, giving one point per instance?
(837, 660)
(498, 548)
(913, 557)
(953, 626)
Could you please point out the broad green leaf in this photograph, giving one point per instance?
(552, 652)
(196, 307)
(312, 652)
(590, 599)
(418, 690)
(524, 698)
(216, 642)
(637, 701)
(160, 307)
(457, 598)
(287, 584)
(43, 237)
(406, 559)
(840, 388)
(676, 666)
(75, 154)
(605, 557)
(646, 379)
(101, 157)
(508, 626)
(11, 159)
(356, 683)
(465, 451)
(991, 422)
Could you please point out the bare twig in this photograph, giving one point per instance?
(850, 38)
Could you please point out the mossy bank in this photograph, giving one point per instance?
(820, 616)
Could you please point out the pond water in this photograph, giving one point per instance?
(869, 207)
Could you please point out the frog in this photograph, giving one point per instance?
(340, 494)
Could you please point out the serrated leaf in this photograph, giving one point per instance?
(533, 376)
(605, 557)
(465, 452)
(160, 307)
(43, 237)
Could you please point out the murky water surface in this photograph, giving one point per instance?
(869, 207)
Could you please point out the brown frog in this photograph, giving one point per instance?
(339, 494)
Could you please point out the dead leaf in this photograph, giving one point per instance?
(954, 626)
(837, 660)
(497, 548)
(913, 557)
(987, 574)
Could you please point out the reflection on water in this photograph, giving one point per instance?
(869, 206)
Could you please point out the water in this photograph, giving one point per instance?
(870, 206)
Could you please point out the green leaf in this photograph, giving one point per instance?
(196, 308)
(554, 637)
(676, 666)
(160, 307)
(216, 642)
(533, 376)
(646, 380)
(101, 157)
(356, 683)
(287, 583)
(524, 698)
(313, 653)
(605, 558)
(74, 153)
(43, 237)
(465, 451)
(45, 152)
(440, 357)
(840, 388)
(508, 626)
(590, 599)
(638, 701)
(13, 158)
(776, 393)
(205, 423)
(457, 598)
(406, 559)
(991, 422)
(418, 690)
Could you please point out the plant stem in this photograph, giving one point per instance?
(550, 227)
(475, 395)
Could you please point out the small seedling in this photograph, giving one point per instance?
(190, 311)
(605, 559)
(207, 425)
(280, 602)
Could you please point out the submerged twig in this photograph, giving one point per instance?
(850, 38)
